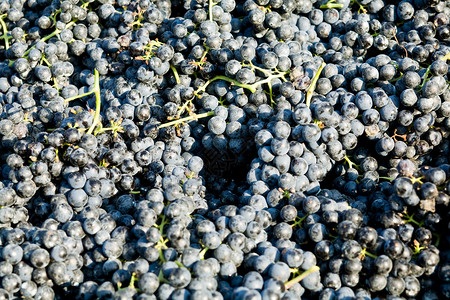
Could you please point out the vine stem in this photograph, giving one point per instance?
(425, 77)
(115, 127)
(406, 51)
(332, 4)
(250, 87)
(182, 109)
(203, 58)
(5, 31)
(386, 178)
(312, 86)
(202, 253)
(221, 77)
(361, 7)
(365, 253)
(350, 163)
(446, 57)
(46, 61)
(98, 101)
(302, 276)
(47, 37)
(190, 118)
(175, 73)
(210, 10)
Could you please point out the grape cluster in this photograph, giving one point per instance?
(222, 149)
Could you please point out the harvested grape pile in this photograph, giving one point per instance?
(223, 149)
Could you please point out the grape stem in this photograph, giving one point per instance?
(115, 128)
(386, 178)
(250, 87)
(5, 31)
(365, 253)
(410, 219)
(175, 73)
(361, 7)
(312, 86)
(210, 6)
(332, 4)
(302, 276)
(428, 71)
(47, 37)
(53, 16)
(133, 280)
(202, 253)
(98, 101)
(438, 239)
(417, 247)
(350, 163)
(446, 57)
(416, 180)
(190, 118)
(298, 221)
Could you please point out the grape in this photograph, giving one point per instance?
(165, 150)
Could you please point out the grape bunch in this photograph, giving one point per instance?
(223, 149)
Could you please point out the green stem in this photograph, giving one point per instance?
(103, 129)
(425, 77)
(299, 278)
(253, 67)
(190, 118)
(133, 280)
(269, 84)
(312, 86)
(298, 221)
(5, 31)
(179, 264)
(350, 163)
(387, 178)
(396, 79)
(416, 180)
(294, 271)
(332, 4)
(161, 277)
(78, 96)
(175, 73)
(361, 7)
(115, 128)
(202, 253)
(364, 253)
(203, 58)
(53, 16)
(163, 223)
(438, 239)
(46, 61)
(98, 100)
(446, 57)
(410, 219)
(250, 87)
(210, 6)
(183, 108)
(224, 78)
(45, 38)
(267, 80)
